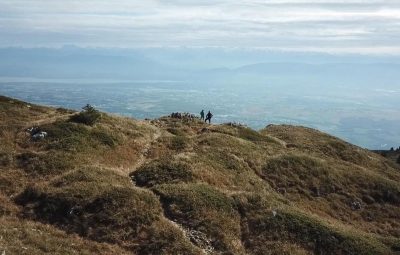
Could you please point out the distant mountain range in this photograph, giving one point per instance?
(184, 64)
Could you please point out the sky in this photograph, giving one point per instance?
(332, 26)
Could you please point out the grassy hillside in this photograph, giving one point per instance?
(170, 186)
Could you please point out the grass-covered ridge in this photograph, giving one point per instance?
(171, 186)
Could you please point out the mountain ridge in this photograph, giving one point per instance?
(179, 186)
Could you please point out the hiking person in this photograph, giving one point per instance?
(208, 117)
(202, 115)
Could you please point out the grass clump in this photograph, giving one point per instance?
(269, 227)
(300, 174)
(40, 164)
(6, 159)
(312, 141)
(104, 138)
(194, 197)
(161, 172)
(204, 209)
(252, 135)
(176, 131)
(308, 233)
(27, 237)
(93, 203)
(102, 206)
(178, 143)
(164, 238)
(64, 135)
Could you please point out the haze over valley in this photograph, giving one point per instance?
(354, 97)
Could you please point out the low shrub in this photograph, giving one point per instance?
(98, 205)
(203, 208)
(67, 136)
(164, 238)
(306, 232)
(44, 164)
(251, 135)
(162, 171)
(89, 116)
(105, 138)
(300, 173)
(178, 143)
(5, 159)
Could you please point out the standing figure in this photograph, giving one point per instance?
(208, 117)
(202, 115)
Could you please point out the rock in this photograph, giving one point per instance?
(200, 240)
(355, 205)
(39, 135)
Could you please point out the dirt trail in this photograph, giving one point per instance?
(141, 161)
(142, 158)
(48, 120)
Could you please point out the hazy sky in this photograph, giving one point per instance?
(356, 26)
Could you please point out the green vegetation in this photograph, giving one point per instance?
(170, 186)
(268, 230)
(300, 173)
(252, 135)
(41, 164)
(178, 143)
(27, 237)
(309, 234)
(100, 206)
(89, 116)
(205, 209)
(162, 172)
(63, 135)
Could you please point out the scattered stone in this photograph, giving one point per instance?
(39, 136)
(235, 124)
(200, 240)
(36, 133)
(355, 205)
(32, 130)
(274, 213)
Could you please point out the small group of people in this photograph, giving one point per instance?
(207, 117)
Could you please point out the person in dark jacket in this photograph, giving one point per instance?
(208, 117)
(202, 115)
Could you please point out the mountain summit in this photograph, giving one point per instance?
(116, 185)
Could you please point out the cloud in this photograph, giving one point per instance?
(324, 25)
